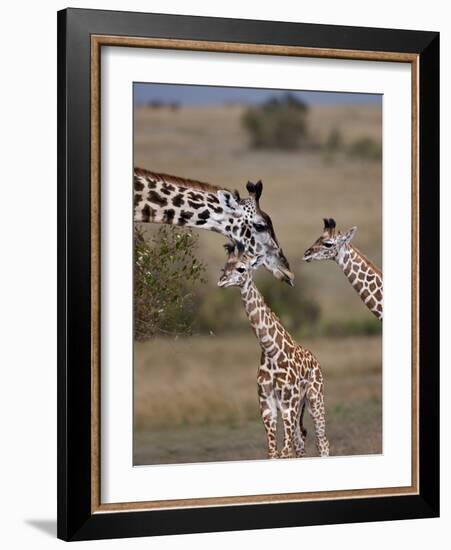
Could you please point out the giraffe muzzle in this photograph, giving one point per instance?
(286, 276)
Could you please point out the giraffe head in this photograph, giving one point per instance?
(249, 224)
(161, 198)
(330, 243)
(239, 266)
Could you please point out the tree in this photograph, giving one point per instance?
(279, 123)
(165, 273)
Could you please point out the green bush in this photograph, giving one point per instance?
(369, 326)
(166, 271)
(334, 141)
(277, 123)
(365, 148)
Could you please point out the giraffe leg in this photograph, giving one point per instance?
(268, 412)
(315, 404)
(268, 406)
(289, 417)
(290, 409)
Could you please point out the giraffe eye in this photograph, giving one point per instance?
(327, 245)
(259, 227)
(240, 269)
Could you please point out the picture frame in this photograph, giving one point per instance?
(81, 36)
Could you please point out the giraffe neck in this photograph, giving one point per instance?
(364, 276)
(263, 321)
(160, 198)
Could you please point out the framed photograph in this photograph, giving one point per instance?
(248, 274)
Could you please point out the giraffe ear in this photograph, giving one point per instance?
(228, 202)
(255, 189)
(258, 189)
(347, 236)
(239, 248)
(229, 248)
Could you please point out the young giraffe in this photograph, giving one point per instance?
(363, 275)
(160, 198)
(289, 375)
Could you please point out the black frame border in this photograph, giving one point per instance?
(75, 520)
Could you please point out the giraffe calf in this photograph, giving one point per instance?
(289, 377)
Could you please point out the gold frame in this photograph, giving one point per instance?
(97, 41)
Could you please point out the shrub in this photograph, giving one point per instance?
(368, 326)
(366, 148)
(166, 271)
(277, 123)
(334, 141)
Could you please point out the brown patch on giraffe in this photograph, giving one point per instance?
(195, 196)
(169, 215)
(288, 348)
(357, 285)
(371, 303)
(212, 199)
(184, 217)
(291, 377)
(178, 200)
(378, 295)
(364, 294)
(283, 364)
(280, 378)
(253, 317)
(138, 185)
(154, 197)
(264, 376)
(137, 199)
(372, 286)
(271, 331)
(147, 213)
(195, 205)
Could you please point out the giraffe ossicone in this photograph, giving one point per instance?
(160, 198)
(289, 377)
(364, 276)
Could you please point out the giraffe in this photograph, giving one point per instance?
(289, 376)
(364, 276)
(160, 198)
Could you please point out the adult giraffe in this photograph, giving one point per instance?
(364, 276)
(160, 198)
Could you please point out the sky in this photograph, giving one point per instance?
(214, 95)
